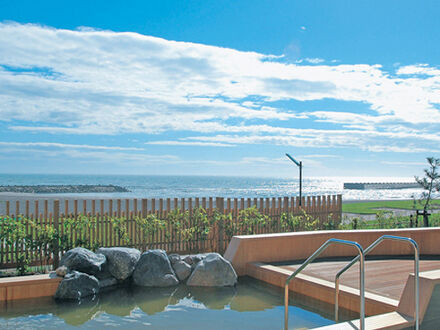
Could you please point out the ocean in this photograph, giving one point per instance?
(169, 186)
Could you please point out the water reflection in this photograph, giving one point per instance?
(145, 305)
(214, 298)
(118, 302)
(77, 313)
(155, 300)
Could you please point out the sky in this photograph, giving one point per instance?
(350, 88)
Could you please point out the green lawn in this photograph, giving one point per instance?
(371, 207)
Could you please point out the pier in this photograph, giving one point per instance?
(381, 185)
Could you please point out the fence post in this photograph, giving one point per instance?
(286, 205)
(56, 219)
(220, 205)
(144, 213)
(339, 208)
(144, 207)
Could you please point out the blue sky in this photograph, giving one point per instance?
(351, 88)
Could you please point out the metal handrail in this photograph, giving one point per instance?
(313, 257)
(366, 251)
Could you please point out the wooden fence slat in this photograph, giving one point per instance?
(220, 204)
(318, 207)
(46, 208)
(17, 209)
(26, 212)
(174, 246)
(162, 231)
(56, 218)
(169, 225)
(182, 245)
(2, 243)
(198, 236)
(153, 239)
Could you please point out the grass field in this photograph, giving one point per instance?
(371, 207)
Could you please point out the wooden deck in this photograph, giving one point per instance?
(383, 277)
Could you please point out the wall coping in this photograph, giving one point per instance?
(267, 248)
(26, 287)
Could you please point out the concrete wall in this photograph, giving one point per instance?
(300, 245)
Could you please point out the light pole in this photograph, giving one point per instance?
(300, 165)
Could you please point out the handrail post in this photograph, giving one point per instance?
(313, 257)
(337, 299)
(417, 283)
(366, 251)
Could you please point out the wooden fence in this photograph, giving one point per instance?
(106, 233)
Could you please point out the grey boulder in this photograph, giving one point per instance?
(83, 260)
(174, 258)
(121, 261)
(188, 260)
(194, 259)
(107, 282)
(105, 278)
(182, 270)
(213, 270)
(61, 271)
(154, 270)
(76, 285)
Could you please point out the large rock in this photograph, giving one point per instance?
(107, 282)
(213, 270)
(76, 285)
(154, 269)
(121, 261)
(83, 260)
(105, 278)
(174, 258)
(62, 271)
(194, 259)
(182, 270)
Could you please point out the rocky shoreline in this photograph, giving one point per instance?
(61, 189)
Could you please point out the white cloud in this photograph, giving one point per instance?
(103, 82)
(314, 60)
(64, 146)
(418, 69)
(320, 156)
(106, 156)
(382, 148)
(398, 163)
(190, 143)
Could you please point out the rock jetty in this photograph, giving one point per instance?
(62, 189)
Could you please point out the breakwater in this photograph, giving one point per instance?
(381, 185)
(62, 189)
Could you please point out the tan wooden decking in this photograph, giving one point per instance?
(383, 277)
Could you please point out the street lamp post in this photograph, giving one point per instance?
(300, 165)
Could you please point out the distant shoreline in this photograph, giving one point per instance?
(62, 189)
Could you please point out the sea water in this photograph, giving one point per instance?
(169, 186)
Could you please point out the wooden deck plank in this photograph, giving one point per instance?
(383, 277)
